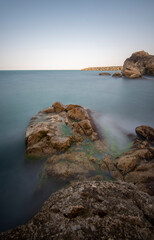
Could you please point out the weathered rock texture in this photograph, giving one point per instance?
(91, 210)
(145, 132)
(112, 68)
(67, 137)
(138, 64)
(137, 165)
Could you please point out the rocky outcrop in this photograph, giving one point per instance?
(54, 129)
(137, 165)
(91, 210)
(104, 74)
(117, 74)
(66, 137)
(145, 132)
(138, 64)
(112, 68)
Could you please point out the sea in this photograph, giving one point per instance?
(117, 104)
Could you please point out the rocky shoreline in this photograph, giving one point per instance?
(74, 151)
(140, 63)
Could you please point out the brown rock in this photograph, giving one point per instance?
(83, 127)
(138, 64)
(48, 110)
(91, 210)
(78, 114)
(145, 132)
(71, 106)
(117, 74)
(130, 160)
(109, 167)
(143, 177)
(61, 143)
(130, 70)
(104, 74)
(58, 107)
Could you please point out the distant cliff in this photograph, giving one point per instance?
(112, 68)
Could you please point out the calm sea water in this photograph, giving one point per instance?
(120, 103)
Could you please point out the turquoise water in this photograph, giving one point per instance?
(120, 104)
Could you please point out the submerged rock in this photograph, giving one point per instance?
(91, 210)
(138, 64)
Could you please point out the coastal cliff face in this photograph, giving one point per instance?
(140, 63)
(91, 210)
(112, 68)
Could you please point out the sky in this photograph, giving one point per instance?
(73, 34)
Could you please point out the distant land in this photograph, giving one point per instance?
(112, 68)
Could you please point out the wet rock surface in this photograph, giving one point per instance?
(145, 132)
(91, 210)
(140, 63)
(66, 136)
(136, 165)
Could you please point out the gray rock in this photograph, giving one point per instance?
(91, 210)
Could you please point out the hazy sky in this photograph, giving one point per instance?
(73, 34)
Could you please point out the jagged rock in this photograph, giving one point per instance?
(117, 74)
(71, 106)
(48, 110)
(46, 132)
(58, 107)
(138, 64)
(91, 210)
(143, 177)
(78, 114)
(130, 160)
(145, 132)
(109, 166)
(104, 73)
(130, 70)
(69, 136)
(83, 127)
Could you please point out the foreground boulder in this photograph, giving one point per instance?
(91, 210)
(138, 64)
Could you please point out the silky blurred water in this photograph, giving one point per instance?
(119, 103)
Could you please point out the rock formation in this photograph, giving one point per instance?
(91, 210)
(138, 64)
(117, 74)
(105, 73)
(137, 165)
(66, 136)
